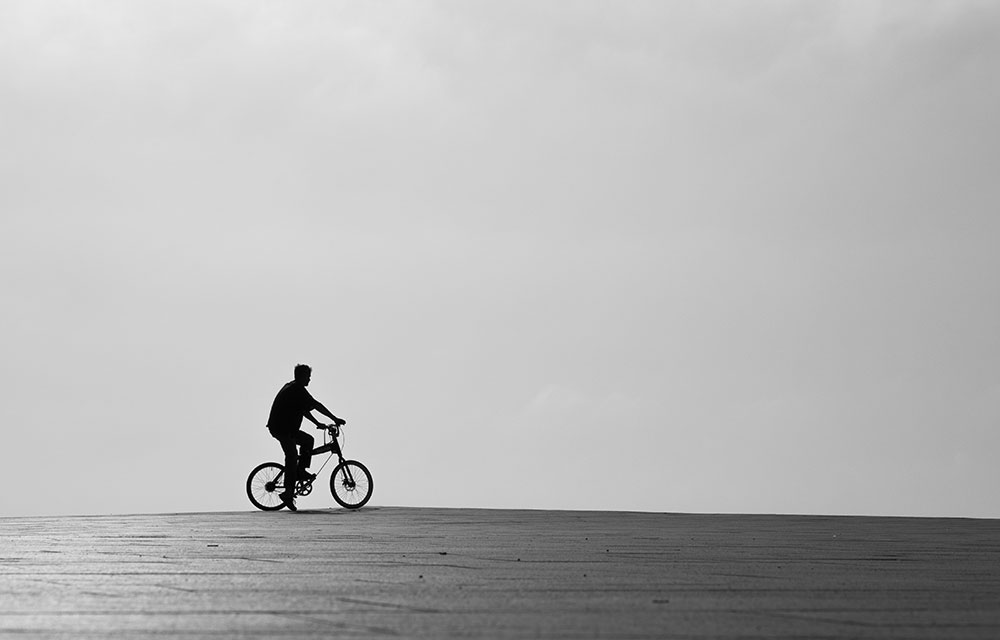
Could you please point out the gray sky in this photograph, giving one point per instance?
(685, 256)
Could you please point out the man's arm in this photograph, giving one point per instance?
(312, 404)
(310, 418)
(318, 406)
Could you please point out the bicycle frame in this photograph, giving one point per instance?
(332, 446)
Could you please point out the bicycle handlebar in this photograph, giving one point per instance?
(334, 427)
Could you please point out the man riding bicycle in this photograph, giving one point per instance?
(291, 404)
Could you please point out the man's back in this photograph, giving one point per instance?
(288, 407)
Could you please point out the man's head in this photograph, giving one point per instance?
(303, 373)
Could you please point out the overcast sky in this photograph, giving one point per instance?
(665, 256)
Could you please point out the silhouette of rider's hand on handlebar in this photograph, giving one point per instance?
(333, 427)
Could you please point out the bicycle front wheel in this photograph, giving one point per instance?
(264, 485)
(351, 484)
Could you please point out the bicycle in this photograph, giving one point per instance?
(350, 482)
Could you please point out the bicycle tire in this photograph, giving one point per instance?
(351, 484)
(264, 486)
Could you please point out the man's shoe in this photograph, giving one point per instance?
(289, 500)
(305, 476)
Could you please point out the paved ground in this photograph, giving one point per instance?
(382, 572)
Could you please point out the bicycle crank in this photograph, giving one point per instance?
(303, 488)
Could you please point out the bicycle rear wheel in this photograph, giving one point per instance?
(351, 484)
(264, 485)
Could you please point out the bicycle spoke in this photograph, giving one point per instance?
(258, 487)
(351, 484)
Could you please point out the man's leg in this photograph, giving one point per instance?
(307, 442)
(291, 463)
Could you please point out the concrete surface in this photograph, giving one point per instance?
(384, 572)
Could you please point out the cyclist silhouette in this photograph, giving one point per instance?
(291, 404)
